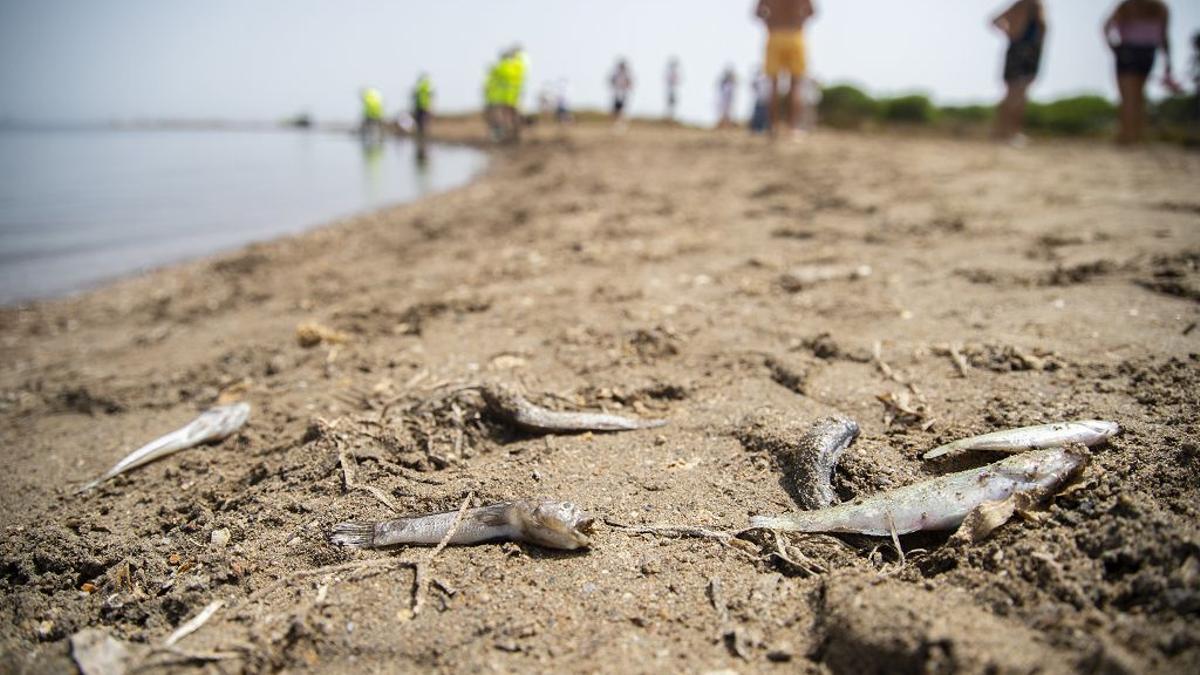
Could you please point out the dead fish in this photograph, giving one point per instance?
(545, 522)
(212, 425)
(809, 463)
(799, 278)
(1087, 432)
(505, 403)
(941, 503)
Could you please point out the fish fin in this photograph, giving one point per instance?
(982, 520)
(938, 451)
(354, 535)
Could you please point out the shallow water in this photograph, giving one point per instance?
(81, 207)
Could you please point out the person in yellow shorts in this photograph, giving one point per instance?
(785, 21)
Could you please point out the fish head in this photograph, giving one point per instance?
(1102, 428)
(556, 524)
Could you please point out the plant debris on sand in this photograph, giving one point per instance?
(635, 275)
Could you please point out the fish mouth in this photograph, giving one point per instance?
(585, 525)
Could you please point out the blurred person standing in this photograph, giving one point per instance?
(422, 104)
(726, 88)
(1024, 23)
(1196, 73)
(785, 21)
(512, 70)
(493, 99)
(760, 90)
(1136, 31)
(674, 78)
(621, 82)
(371, 128)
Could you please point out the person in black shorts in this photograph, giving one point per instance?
(1025, 25)
(1136, 31)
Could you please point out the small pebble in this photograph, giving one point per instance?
(219, 538)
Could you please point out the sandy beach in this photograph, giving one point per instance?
(655, 273)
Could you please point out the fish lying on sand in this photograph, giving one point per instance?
(808, 464)
(212, 425)
(1088, 432)
(506, 404)
(800, 278)
(944, 502)
(545, 522)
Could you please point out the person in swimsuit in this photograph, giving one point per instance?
(1025, 25)
(785, 20)
(1136, 31)
(621, 82)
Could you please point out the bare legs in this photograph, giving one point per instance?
(1133, 107)
(793, 103)
(1011, 111)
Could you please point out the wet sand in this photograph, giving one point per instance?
(656, 273)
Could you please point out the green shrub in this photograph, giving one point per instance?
(967, 114)
(846, 107)
(1075, 116)
(1177, 110)
(912, 109)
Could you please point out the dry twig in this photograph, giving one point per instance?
(194, 624)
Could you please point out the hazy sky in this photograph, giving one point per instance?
(265, 59)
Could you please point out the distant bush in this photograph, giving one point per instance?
(846, 107)
(966, 114)
(912, 109)
(1177, 110)
(1075, 116)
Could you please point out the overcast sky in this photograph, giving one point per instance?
(265, 59)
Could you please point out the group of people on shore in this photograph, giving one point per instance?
(1135, 31)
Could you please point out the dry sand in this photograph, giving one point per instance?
(647, 273)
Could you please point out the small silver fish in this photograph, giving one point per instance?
(212, 425)
(1088, 432)
(545, 522)
(941, 503)
(505, 403)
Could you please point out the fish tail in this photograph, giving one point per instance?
(89, 485)
(354, 535)
(652, 424)
(773, 523)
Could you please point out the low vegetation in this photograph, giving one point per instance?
(846, 107)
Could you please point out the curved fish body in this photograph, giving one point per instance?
(545, 522)
(810, 463)
(941, 503)
(212, 425)
(506, 404)
(1087, 432)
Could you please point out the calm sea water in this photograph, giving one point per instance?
(81, 207)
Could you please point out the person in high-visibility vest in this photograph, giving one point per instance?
(493, 99)
(512, 68)
(372, 112)
(422, 100)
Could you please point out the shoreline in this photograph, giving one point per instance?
(205, 251)
(650, 274)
